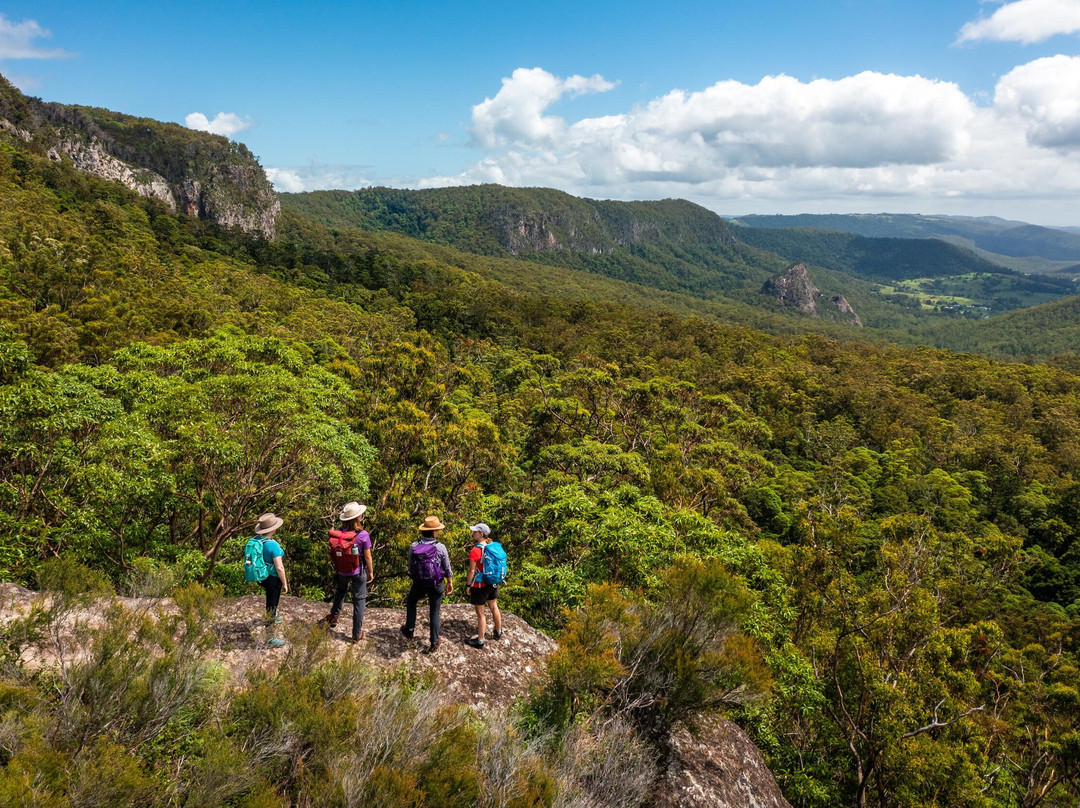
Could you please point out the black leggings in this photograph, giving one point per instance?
(272, 585)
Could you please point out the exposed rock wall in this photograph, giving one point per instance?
(845, 308)
(92, 158)
(717, 767)
(794, 288)
(192, 172)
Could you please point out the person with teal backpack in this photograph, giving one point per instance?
(263, 565)
(487, 571)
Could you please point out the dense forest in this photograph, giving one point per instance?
(869, 556)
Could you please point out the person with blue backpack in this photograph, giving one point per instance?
(263, 565)
(432, 578)
(487, 571)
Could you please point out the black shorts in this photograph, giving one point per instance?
(479, 595)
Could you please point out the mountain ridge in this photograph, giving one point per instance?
(192, 172)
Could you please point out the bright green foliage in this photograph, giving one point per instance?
(886, 540)
(656, 664)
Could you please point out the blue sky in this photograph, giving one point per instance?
(954, 106)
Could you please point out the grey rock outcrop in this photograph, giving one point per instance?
(192, 172)
(718, 766)
(845, 308)
(92, 158)
(794, 288)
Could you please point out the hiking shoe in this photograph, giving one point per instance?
(275, 642)
(406, 633)
(434, 646)
(358, 638)
(329, 621)
(496, 635)
(474, 642)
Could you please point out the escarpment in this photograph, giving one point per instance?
(192, 172)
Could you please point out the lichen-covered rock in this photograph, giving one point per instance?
(717, 766)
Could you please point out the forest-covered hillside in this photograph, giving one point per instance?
(868, 555)
(989, 233)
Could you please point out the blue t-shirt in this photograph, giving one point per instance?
(271, 550)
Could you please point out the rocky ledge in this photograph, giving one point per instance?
(714, 765)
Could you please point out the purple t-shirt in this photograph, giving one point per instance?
(363, 542)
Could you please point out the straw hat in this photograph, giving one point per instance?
(352, 510)
(432, 523)
(268, 523)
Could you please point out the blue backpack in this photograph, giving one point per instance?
(493, 572)
(424, 563)
(255, 569)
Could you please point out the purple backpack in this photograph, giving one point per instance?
(424, 563)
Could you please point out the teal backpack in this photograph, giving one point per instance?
(493, 571)
(255, 569)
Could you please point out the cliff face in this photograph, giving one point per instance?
(795, 288)
(192, 172)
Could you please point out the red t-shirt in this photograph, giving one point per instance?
(476, 555)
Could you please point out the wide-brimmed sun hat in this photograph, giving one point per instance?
(352, 510)
(432, 523)
(268, 523)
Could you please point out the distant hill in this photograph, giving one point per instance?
(1002, 236)
(878, 259)
(673, 244)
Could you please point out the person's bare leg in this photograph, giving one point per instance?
(481, 622)
(496, 615)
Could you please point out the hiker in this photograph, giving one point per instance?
(350, 550)
(429, 568)
(263, 565)
(487, 570)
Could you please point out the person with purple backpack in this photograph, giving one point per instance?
(432, 578)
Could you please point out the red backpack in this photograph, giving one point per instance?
(344, 552)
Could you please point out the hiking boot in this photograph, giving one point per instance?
(406, 633)
(474, 642)
(275, 642)
(496, 635)
(434, 646)
(358, 638)
(329, 621)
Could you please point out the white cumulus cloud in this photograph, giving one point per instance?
(318, 177)
(16, 40)
(516, 111)
(224, 123)
(1044, 96)
(865, 120)
(871, 141)
(1026, 21)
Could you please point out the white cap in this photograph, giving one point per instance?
(480, 527)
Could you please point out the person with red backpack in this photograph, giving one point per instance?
(432, 578)
(487, 570)
(350, 550)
